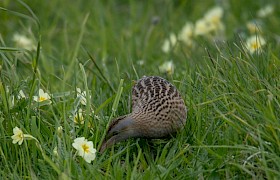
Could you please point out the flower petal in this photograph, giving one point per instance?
(78, 143)
(41, 92)
(20, 141)
(35, 98)
(89, 157)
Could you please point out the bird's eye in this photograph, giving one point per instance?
(115, 133)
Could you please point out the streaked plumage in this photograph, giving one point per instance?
(158, 110)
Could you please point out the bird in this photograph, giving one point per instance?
(158, 111)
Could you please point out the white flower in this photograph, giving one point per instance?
(23, 42)
(254, 43)
(18, 136)
(21, 95)
(140, 62)
(169, 43)
(210, 23)
(214, 15)
(266, 11)
(85, 149)
(167, 67)
(201, 27)
(79, 118)
(186, 34)
(42, 96)
(254, 27)
(83, 96)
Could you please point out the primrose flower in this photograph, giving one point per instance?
(254, 27)
(266, 11)
(23, 42)
(21, 95)
(254, 43)
(140, 62)
(214, 15)
(85, 149)
(169, 43)
(186, 34)
(79, 118)
(18, 136)
(83, 96)
(210, 23)
(201, 27)
(167, 67)
(42, 96)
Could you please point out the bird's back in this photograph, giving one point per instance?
(158, 106)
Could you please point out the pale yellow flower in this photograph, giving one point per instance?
(42, 96)
(23, 42)
(79, 118)
(214, 15)
(18, 136)
(85, 149)
(140, 62)
(186, 34)
(201, 27)
(210, 23)
(265, 11)
(167, 67)
(169, 43)
(21, 95)
(255, 43)
(254, 27)
(83, 96)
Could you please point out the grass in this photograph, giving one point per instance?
(233, 127)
